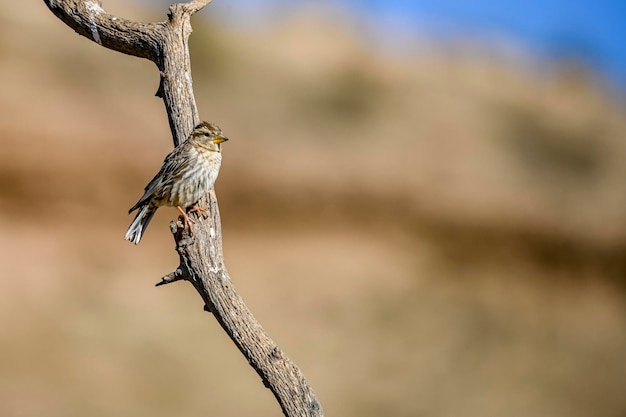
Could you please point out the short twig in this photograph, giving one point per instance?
(172, 277)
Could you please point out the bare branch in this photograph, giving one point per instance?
(164, 43)
(90, 20)
(201, 255)
(201, 258)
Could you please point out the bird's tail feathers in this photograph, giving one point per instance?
(140, 223)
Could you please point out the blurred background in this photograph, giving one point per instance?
(424, 204)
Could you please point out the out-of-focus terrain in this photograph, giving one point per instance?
(434, 234)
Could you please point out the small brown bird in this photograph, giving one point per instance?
(187, 174)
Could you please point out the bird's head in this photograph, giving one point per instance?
(210, 135)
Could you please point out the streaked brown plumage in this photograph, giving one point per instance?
(187, 174)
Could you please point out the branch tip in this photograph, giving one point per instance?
(196, 5)
(172, 277)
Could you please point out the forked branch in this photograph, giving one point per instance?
(201, 256)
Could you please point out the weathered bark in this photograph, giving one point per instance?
(201, 256)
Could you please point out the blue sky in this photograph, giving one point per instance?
(592, 31)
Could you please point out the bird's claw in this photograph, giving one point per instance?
(200, 210)
(186, 219)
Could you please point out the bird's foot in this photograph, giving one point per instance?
(200, 210)
(186, 220)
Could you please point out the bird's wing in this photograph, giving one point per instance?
(173, 164)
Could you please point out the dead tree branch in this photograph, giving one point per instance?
(201, 256)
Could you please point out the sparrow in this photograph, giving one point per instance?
(187, 174)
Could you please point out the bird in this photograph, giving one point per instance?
(187, 174)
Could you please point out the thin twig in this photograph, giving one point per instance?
(174, 276)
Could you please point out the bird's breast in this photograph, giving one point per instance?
(196, 178)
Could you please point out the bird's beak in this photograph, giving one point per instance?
(219, 139)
